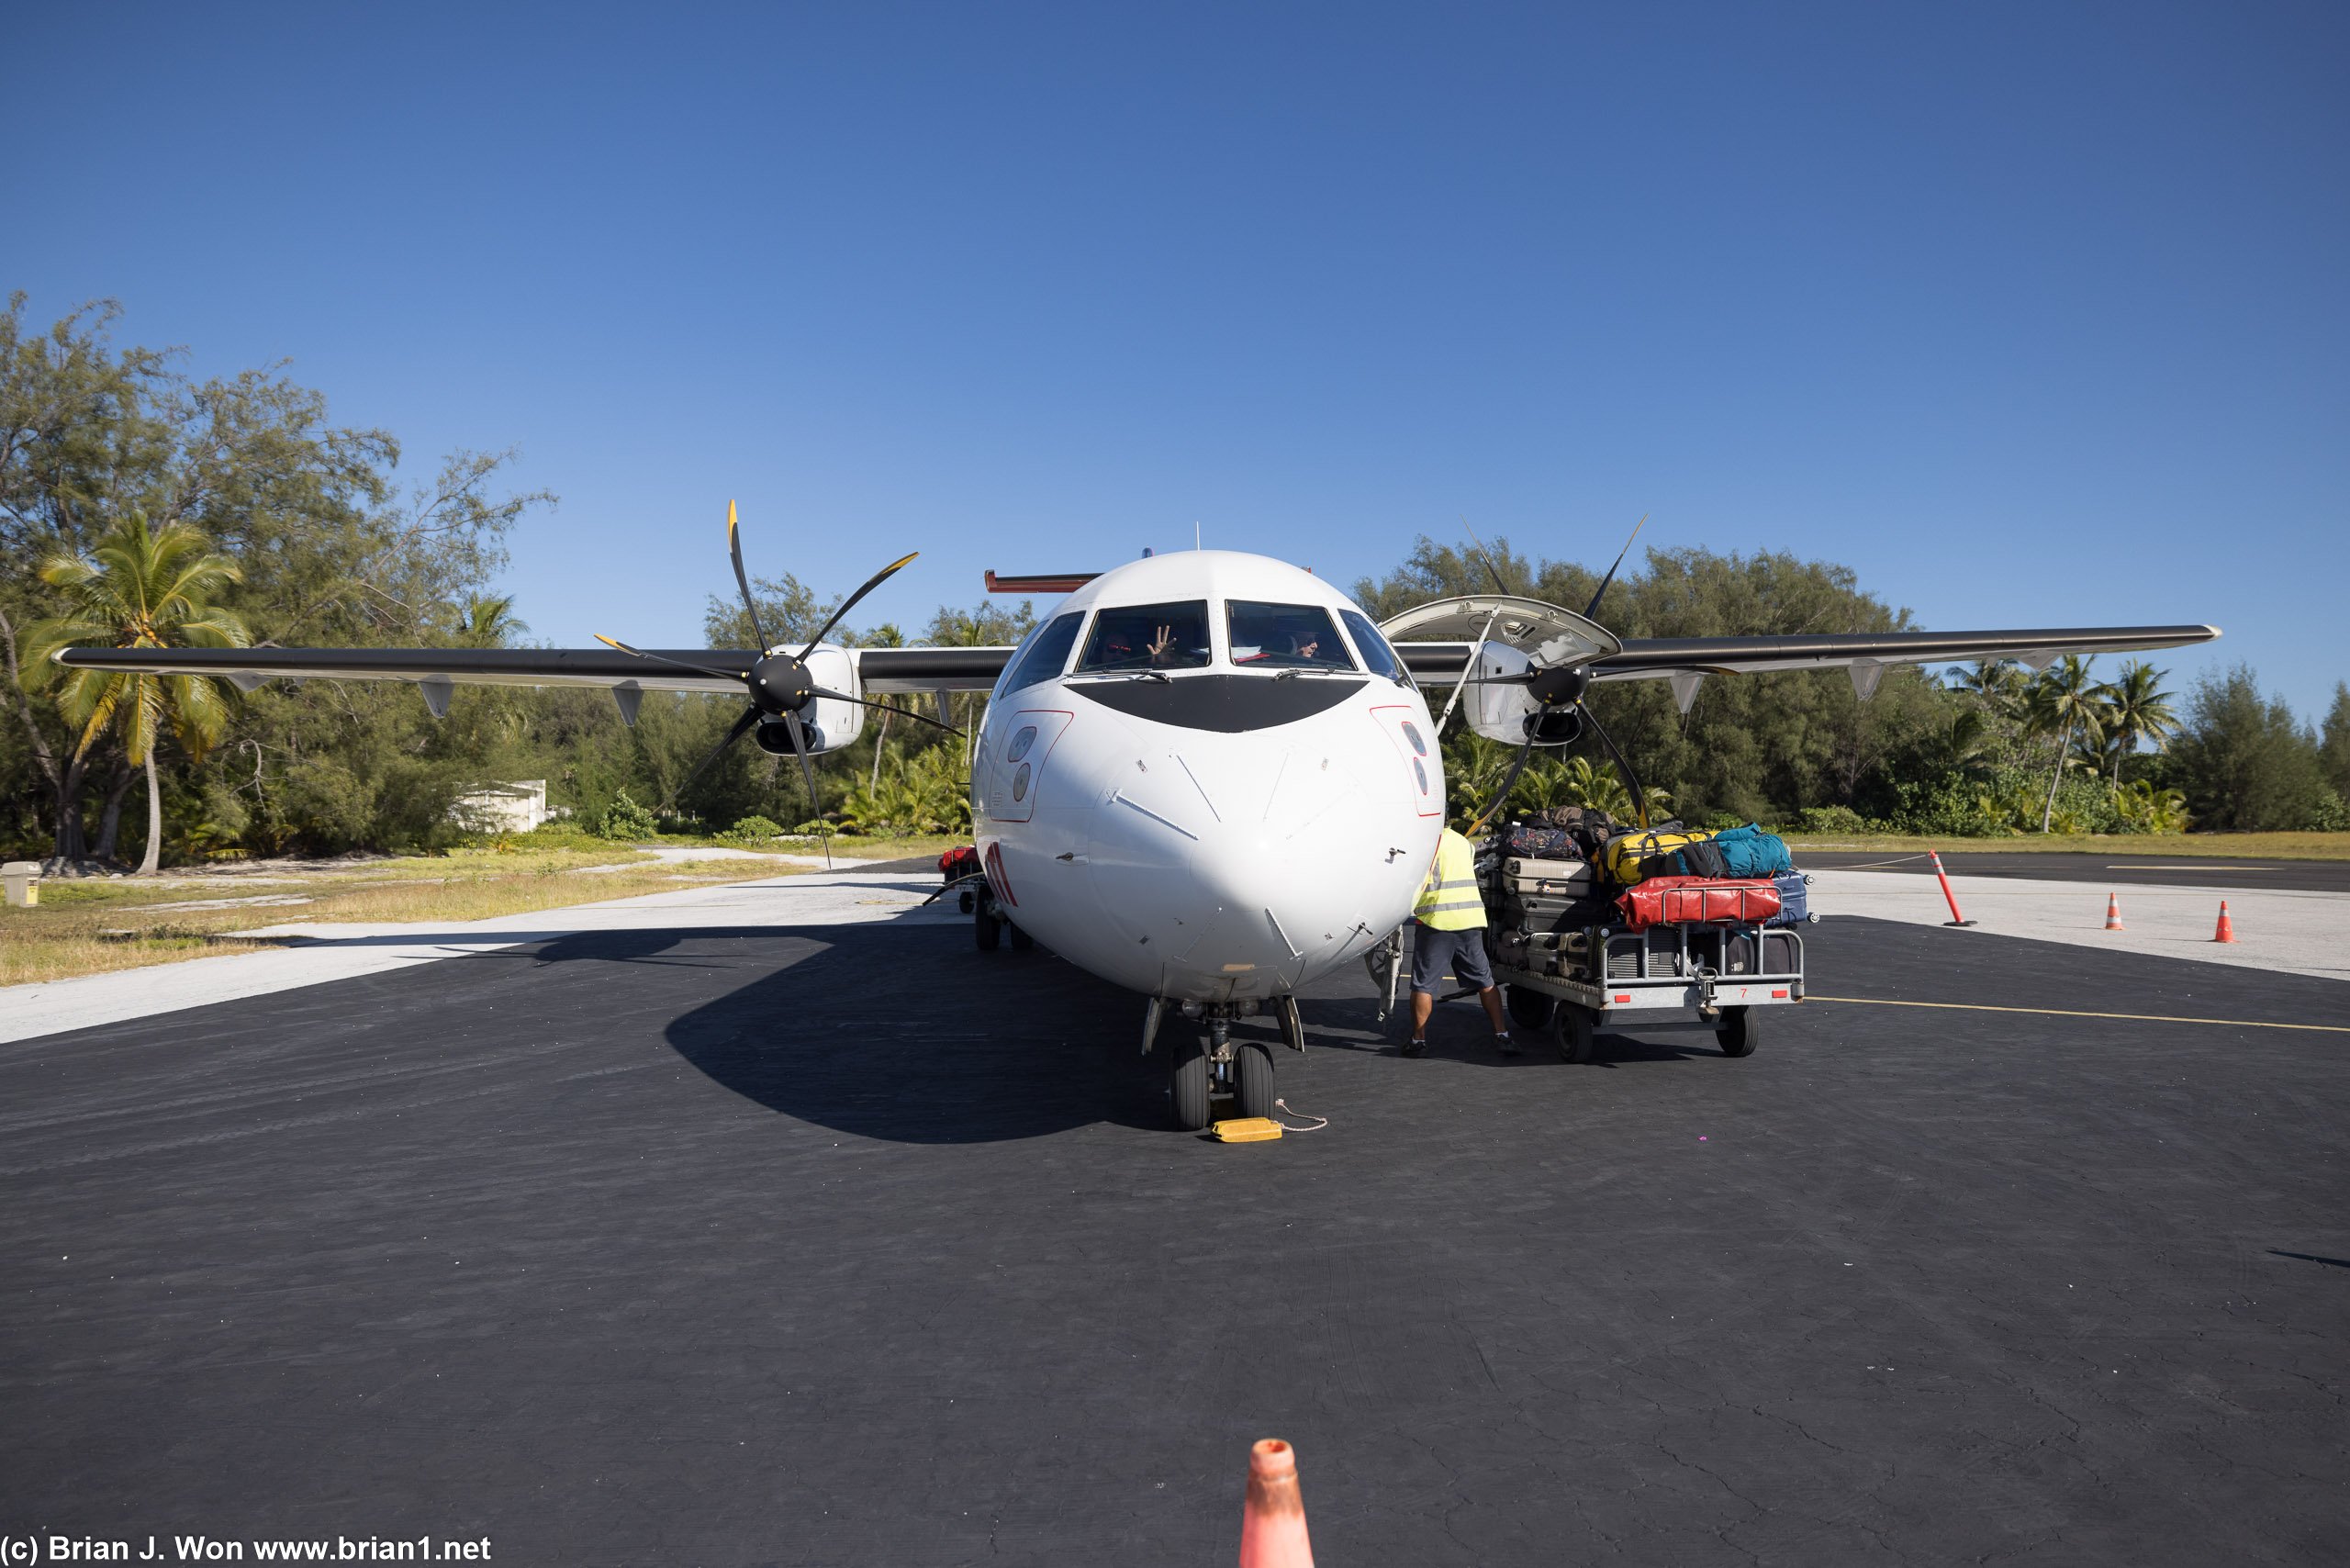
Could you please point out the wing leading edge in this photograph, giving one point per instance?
(879, 669)
(1666, 657)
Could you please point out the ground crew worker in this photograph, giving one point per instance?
(1448, 938)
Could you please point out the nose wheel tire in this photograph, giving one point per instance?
(987, 931)
(1576, 1030)
(1740, 1031)
(1528, 1008)
(1252, 1080)
(1021, 940)
(1190, 1084)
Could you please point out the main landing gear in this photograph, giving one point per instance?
(989, 926)
(1208, 1064)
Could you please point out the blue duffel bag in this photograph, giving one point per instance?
(1753, 853)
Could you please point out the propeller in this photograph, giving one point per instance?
(1559, 690)
(779, 682)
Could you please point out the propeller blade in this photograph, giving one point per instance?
(665, 659)
(886, 708)
(1524, 677)
(1631, 782)
(808, 771)
(1499, 587)
(742, 579)
(742, 727)
(876, 581)
(1594, 608)
(1509, 782)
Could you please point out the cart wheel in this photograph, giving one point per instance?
(1528, 1008)
(987, 931)
(1740, 1033)
(1190, 1085)
(1576, 1029)
(1021, 940)
(1252, 1073)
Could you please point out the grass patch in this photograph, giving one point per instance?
(98, 926)
(2127, 846)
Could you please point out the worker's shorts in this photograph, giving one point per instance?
(1460, 954)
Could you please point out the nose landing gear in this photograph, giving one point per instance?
(1212, 1065)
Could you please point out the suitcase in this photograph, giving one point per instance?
(1700, 857)
(1795, 902)
(1628, 853)
(1553, 912)
(1738, 953)
(1541, 844)
(1572, 877)
(1697, 901)
(1589, 826)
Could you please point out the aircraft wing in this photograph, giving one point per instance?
(879, 669)
(1864, 652)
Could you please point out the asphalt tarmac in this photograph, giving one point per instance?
(2120, 867)
(853, 1245)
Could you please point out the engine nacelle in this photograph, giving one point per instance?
(828, 724)
(1498, 712)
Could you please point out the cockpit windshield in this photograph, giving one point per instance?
(1284, 637)
(1149, 637)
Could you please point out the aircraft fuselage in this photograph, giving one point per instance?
(1206, 779)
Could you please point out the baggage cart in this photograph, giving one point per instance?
(1718, 977)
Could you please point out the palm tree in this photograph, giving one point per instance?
(2065, 699)
(142, 589)
(488, 622)
(2138, 712)
(1996, 681)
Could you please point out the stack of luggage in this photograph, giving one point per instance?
(1552, 877)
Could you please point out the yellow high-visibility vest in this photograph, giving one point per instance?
(1448, 900)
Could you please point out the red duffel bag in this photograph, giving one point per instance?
(1698, 900)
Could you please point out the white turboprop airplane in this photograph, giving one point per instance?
(1207, 776)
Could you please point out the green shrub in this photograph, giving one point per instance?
(753, 830)
(1831, 819)
(626, 820)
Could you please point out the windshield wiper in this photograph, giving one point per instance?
(1122, 675)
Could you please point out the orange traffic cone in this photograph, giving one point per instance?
(2227, 932)
(1272, 1524)
(2113, 913)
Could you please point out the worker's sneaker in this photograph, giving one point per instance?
(1509, 1047)
(1415, 1047)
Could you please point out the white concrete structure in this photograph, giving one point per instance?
(516, 807)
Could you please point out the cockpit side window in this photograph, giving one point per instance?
(1148, 636)
(1284, 637)
(1045, 653)
(1373, 646)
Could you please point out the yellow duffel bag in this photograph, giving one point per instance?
(1630, 856)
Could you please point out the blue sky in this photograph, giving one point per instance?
(2033, 315)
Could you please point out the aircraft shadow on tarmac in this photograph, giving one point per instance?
(912, 1036)
(908, 1035)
